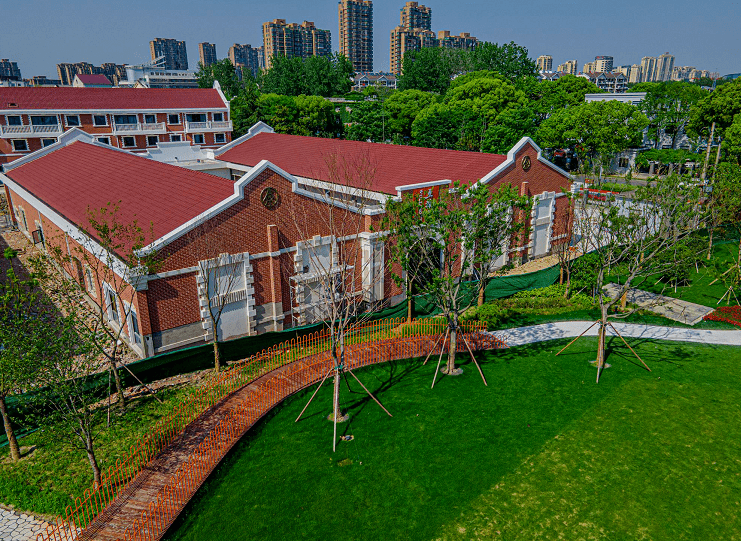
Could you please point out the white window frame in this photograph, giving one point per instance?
(107, 123)
(178, 123)
(134, 337)
(66, 121)
(22, 213)
(213, 116)
(43, 141)
(101, 140)
(179, 137)
(157, 137)
(25, 142)
(108, 292)
(150, 114)
(201, 136)
(87, 277)
(7, 121)
(219, 142)
(123, 141)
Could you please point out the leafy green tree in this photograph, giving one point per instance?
(442, 125)
(222, 71)
(567, 91)
(23, 337)
(720, 106)
(724, 200)
(279, 111)
(485, 97)
(598, 129)
(367, 122)
(402, 107)
(430, 69)
(317, 117)
(509, 59)
(454, 236)
(316, 75)
(732, 141)
(69, 403)
(635, 239)
(668, 105)
(509, 127)
(244, 106)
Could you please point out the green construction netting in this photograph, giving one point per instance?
(201, 357)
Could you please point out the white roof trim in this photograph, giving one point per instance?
(258, 127)
(511, 160)
(237, 196)
(67, 138)
(421, 185)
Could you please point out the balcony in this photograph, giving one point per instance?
(195, 127)
(8, 132)
(139, 128)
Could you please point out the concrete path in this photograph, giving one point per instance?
(685, 312)
(571, 329)
(19, 526)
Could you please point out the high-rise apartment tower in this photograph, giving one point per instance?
(545, 62)
(648, 69)
(245, 56)
(176, 56)
(570, 67)
(356, 33)
(414, 31)
(664, 67)
(207, 53)
(603, 64)
(293, 39)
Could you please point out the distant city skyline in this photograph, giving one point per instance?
(40, 34)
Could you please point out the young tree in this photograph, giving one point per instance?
(450, 238)
(338, 277)
(723, 202)
(566, 249)
(70, 404)
(636, 239)
(22, 337)
(105, 264)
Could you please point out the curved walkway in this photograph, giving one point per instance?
(519, 336)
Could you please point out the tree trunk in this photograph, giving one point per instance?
(601, 342)
(710, 243)
(217, 355)
(560, 276)
(93, 463)
(451, 351)
(15, 452)
(121, 400)
(410, 306)
(482, 293)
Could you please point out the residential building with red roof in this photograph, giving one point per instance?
(135, 119)
(261, 220)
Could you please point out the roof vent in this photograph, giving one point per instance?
(11, 104)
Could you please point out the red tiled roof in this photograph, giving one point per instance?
(107, 99)
(396, 165)
(97, 79)
(82, 176)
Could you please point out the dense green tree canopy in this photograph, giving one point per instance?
(509, 59)
(667, 106)
(316, 75)
(599, 129)
(442, 125)
(510, 126)
(222, 71)
(403, 107)
(299, 115)
(485, 97)
(732, 142)
(720, 106)
(567, 91)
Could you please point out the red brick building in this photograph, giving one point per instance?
(279, 180)
(136, 119)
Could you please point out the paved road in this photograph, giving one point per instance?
(571, 329)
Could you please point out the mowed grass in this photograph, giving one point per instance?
(541, 453)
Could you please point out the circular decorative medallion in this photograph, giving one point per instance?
(270, 198)
(525, 163)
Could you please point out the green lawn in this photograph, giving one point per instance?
(48, 480)
(699, 290)
(542, 452)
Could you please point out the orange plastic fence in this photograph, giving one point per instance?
(366, 344)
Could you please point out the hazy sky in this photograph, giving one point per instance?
(39, 34)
